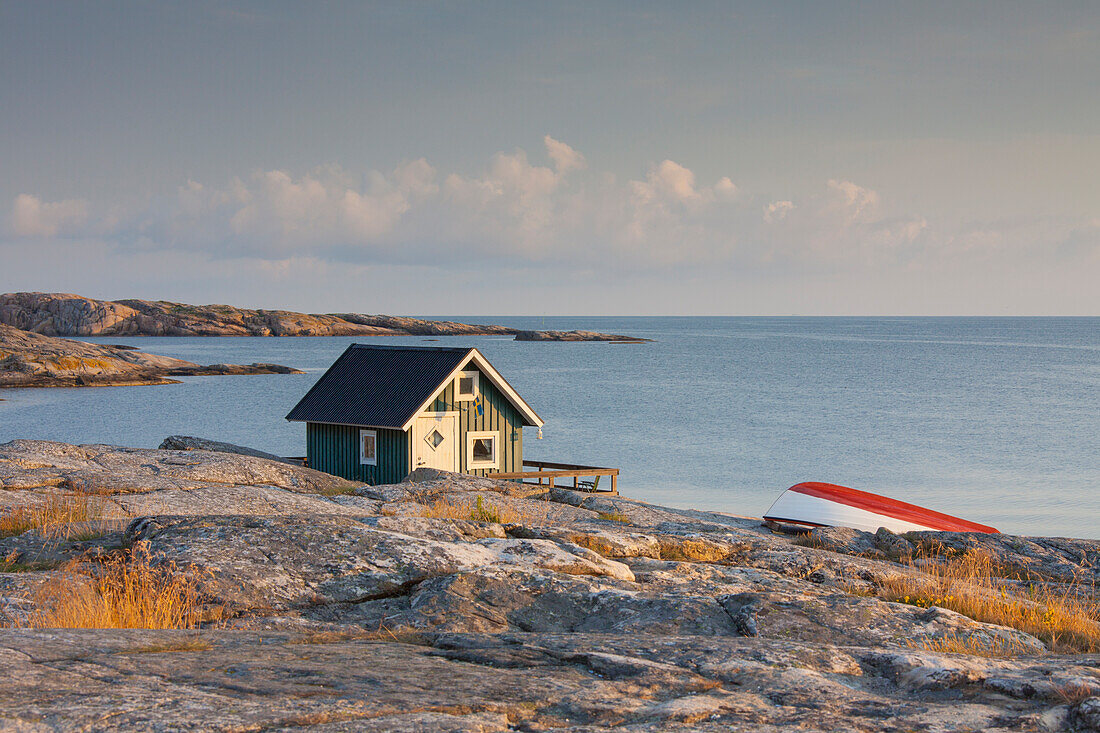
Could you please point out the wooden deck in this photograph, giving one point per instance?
(550, 472)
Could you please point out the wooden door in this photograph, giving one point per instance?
(435, 441)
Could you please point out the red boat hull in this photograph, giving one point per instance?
(815, 504)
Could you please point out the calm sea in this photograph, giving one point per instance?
(993, 419)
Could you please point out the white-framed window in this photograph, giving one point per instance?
(482, 449)
(466, 386)
(368, 447)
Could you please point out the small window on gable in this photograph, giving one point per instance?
(482, 449)
(368, 448)
(466, 386)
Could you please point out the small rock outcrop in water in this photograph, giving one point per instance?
(574, 336)
(349, 609)
(33, 360)
(64, 314)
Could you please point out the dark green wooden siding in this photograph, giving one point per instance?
(335, 449)
(499, 416)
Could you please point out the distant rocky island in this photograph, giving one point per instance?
(65, 314)
(33, 354)
(33, 360)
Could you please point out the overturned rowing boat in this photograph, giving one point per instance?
(814, 504)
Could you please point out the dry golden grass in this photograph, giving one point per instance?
(687, 549)
(974, 645)
(1073, 693)
(61, 516)
(128, 592)
(974, 584)
(480, 510)
(615, 516)
(340, 489)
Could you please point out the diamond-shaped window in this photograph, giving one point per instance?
(434, 438)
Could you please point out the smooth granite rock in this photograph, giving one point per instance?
(344, 607)
(107, 469)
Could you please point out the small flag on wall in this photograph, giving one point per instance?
(479, 406)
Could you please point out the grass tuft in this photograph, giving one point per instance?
(13, 563)
(480, 510)
(484, 513)
(1073, 693)
(975, 645)
(127, 592)
(615, 516)
(61, 516)
(340, 489)
(974, 584)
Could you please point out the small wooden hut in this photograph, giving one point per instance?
(381, 411)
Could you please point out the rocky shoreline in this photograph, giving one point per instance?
(33, 360)
(65, 314)
(456, 603)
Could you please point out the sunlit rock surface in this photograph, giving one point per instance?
(349, 607)
(65, 314)
(30, 359)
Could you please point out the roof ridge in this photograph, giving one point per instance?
(410, 348)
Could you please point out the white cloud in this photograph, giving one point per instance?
(666, 182)
(777, 211)
(276, 213)
(854, 203)
(517, 212)
(844, 223)
(511, 208)
(33, 217)
(565, 158)
(416, 178)
(725, 189)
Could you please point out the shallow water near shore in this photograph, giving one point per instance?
(993, 419)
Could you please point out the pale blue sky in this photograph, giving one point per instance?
(546, 158)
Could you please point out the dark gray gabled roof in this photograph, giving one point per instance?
(378, 386)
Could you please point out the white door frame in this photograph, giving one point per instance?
(414, 443)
